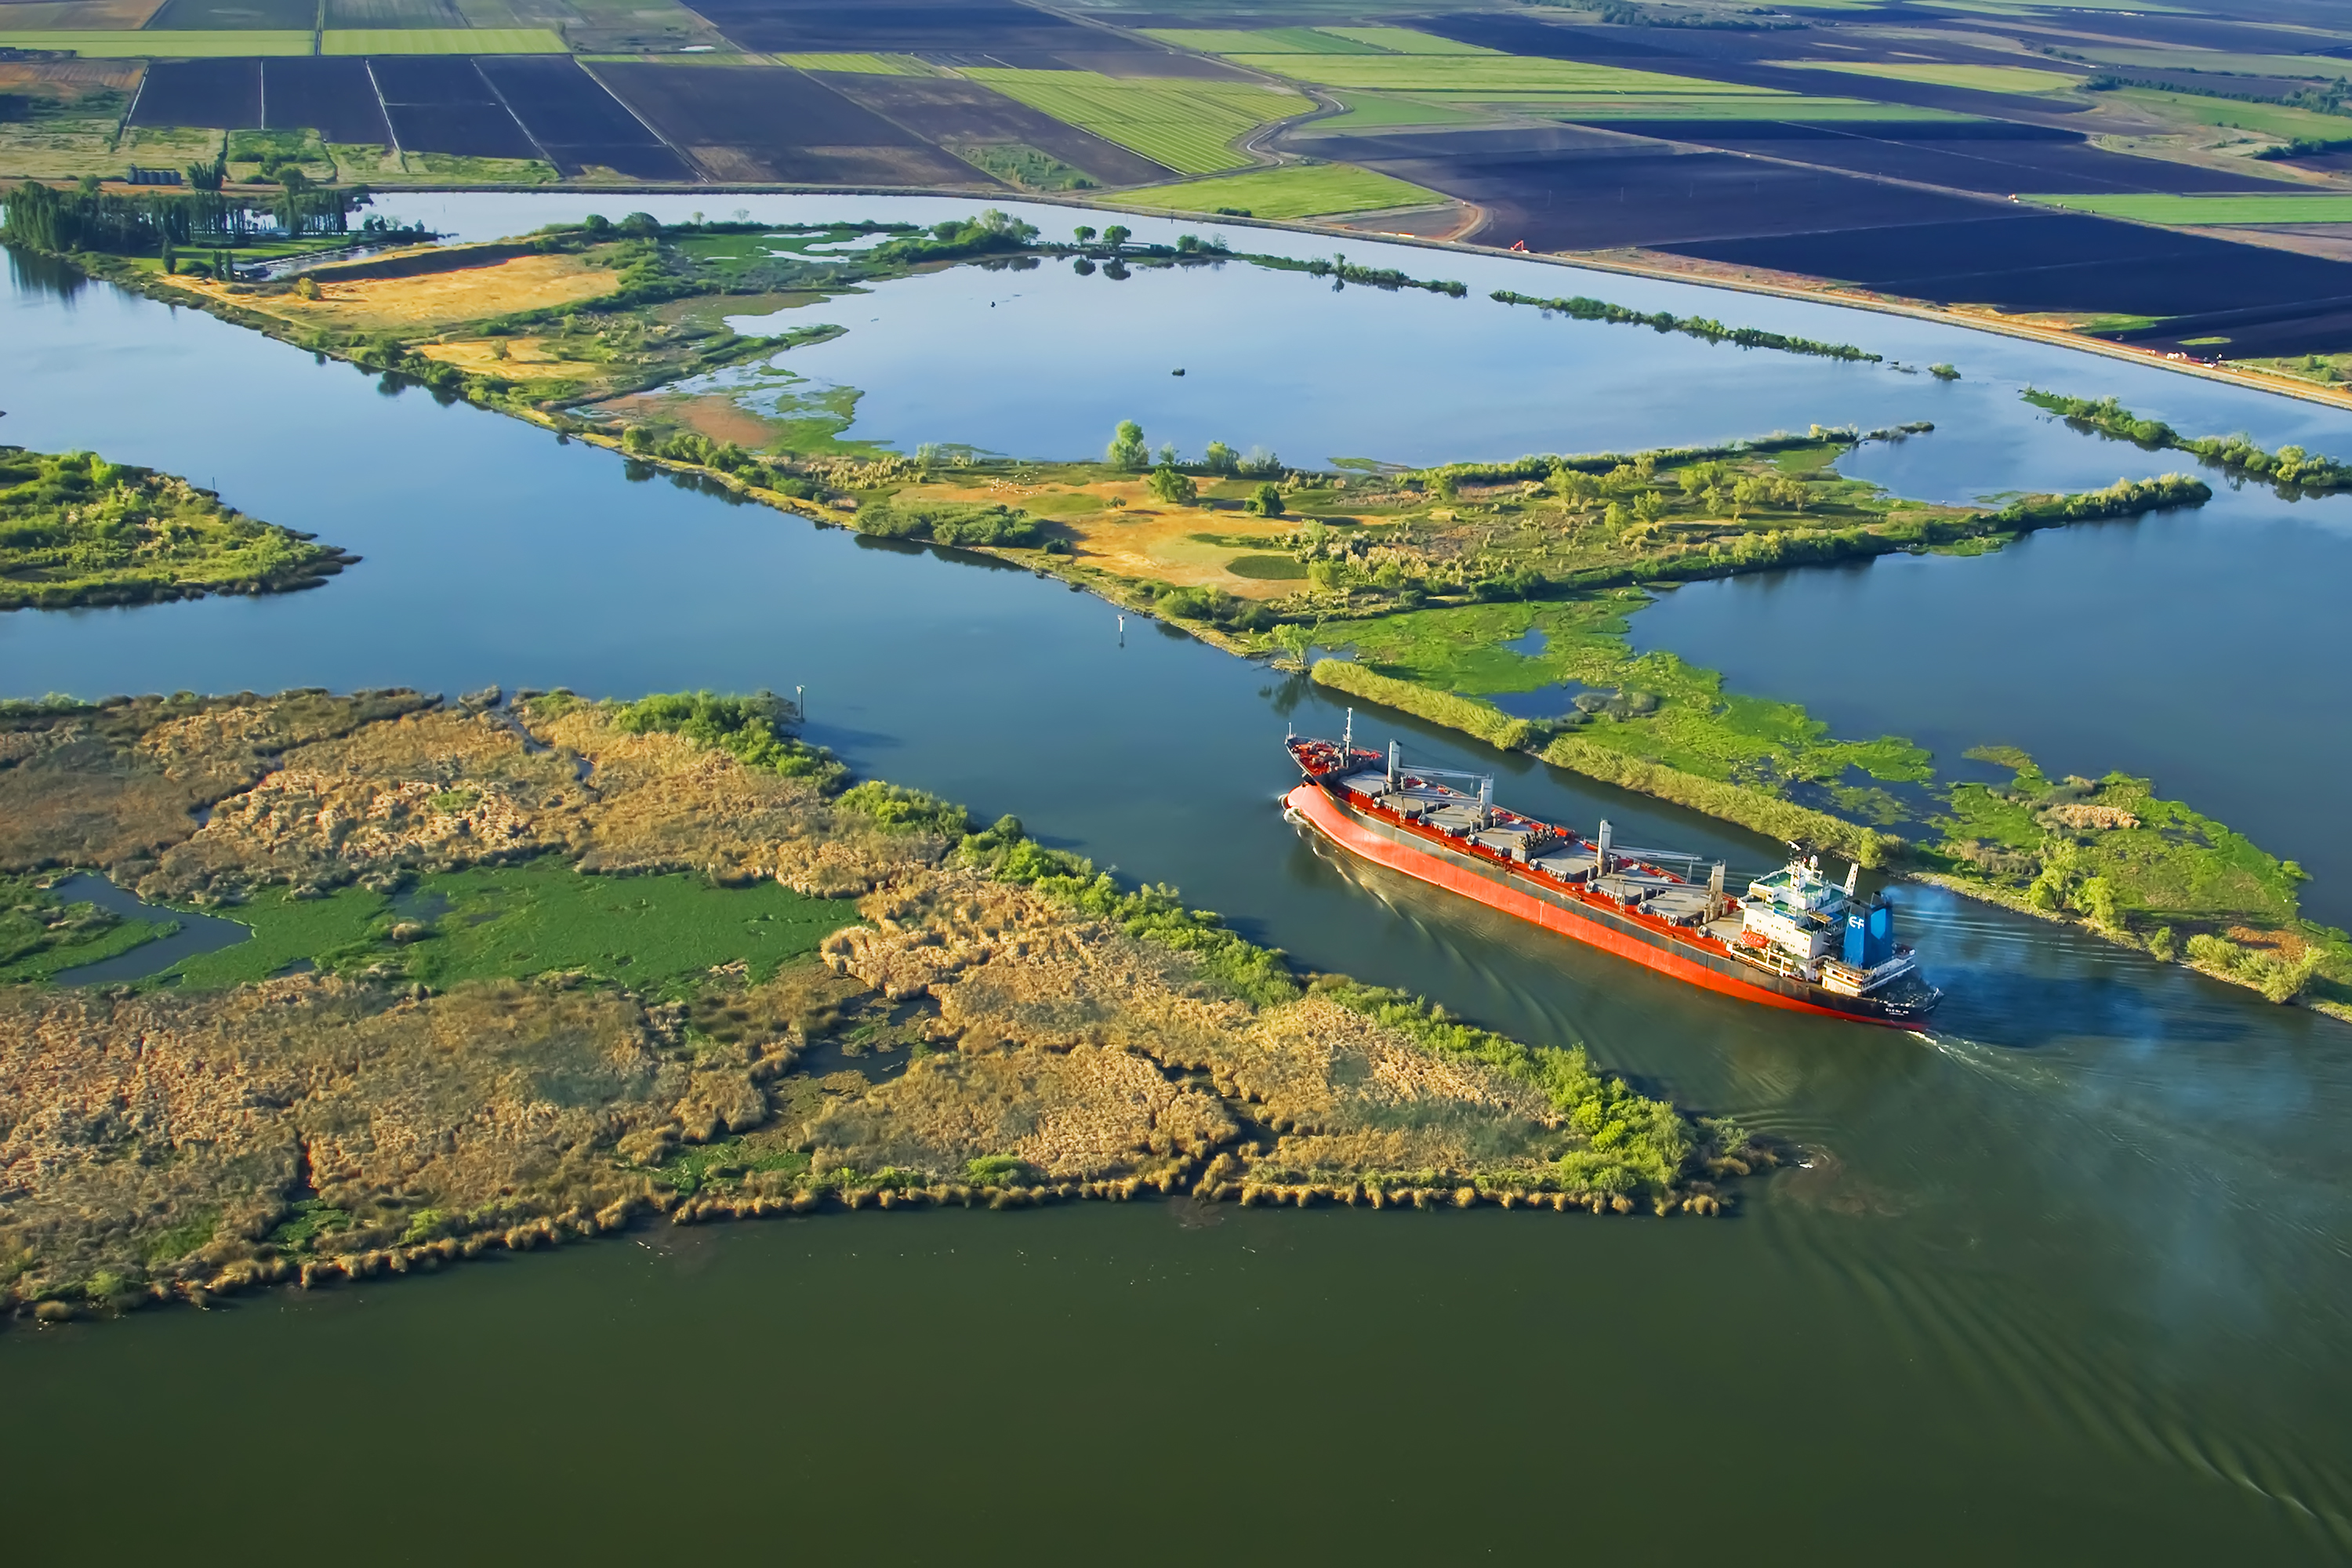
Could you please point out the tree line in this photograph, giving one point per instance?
(2289, 466)
(86, 218)
(1580, 308)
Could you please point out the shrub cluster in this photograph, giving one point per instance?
(950, 522)
(1216, 607)
(754, 729)
(2277, 976)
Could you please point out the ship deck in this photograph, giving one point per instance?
(1553, 878)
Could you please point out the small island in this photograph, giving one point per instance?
(526, 971)
(77, 530)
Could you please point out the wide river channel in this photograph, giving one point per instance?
(2065, 1281)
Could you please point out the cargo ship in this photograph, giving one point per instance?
(1798, 939)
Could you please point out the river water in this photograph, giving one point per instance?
(2064, 1281)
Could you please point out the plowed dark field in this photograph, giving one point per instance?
(1990, 156)
(911, 27)
(429, 79)
(764, 124)
(1152, 62)
(237, 16)
(332, 97)
(2313, 327)
(2050, 262)
(465, 130)
(965, 111)
(1570, 190)
(439, 103)
(571, 115)
(394, 14)
(222, 93)
(1734, 56)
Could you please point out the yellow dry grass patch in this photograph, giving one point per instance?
(441, 298)
(526, 359)
(68, 79)
(1145, 537)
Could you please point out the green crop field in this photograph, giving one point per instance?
(1786, 108)
(1266, 41)
(1369, 111)
(2315, 66)
(1190, 126)
(1406, 41)
(1981, 79)
(858, 65)
(2263, 119)
(1488, 76)
(1296, 190)
(2041, 8)
(162, 44)
(440, 41)
(2194, 211)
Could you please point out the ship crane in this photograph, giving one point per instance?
(1486, 782)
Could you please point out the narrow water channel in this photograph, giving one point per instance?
(2065, 1281)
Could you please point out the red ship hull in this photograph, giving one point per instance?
(1460, 864)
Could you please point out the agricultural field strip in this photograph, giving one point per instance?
(441, 41)
(165, 45)
(1267, 41)
(1296, 190)
(1490, 76)
(1408, 41)
(2270, 119)
(1978, 79)
(1794, 110)
(2313, 67)
(1313, 41)
(2196, 211)
(853, 64)
(1190, 126)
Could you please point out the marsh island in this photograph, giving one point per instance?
(524, 970)
(76, 529)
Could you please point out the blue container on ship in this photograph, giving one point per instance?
(1869, 936)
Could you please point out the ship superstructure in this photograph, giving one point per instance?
(1797, 939)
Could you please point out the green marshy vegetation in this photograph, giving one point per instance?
(453, 928)
(78, 529)
(2145, 870)
(1023, 167)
